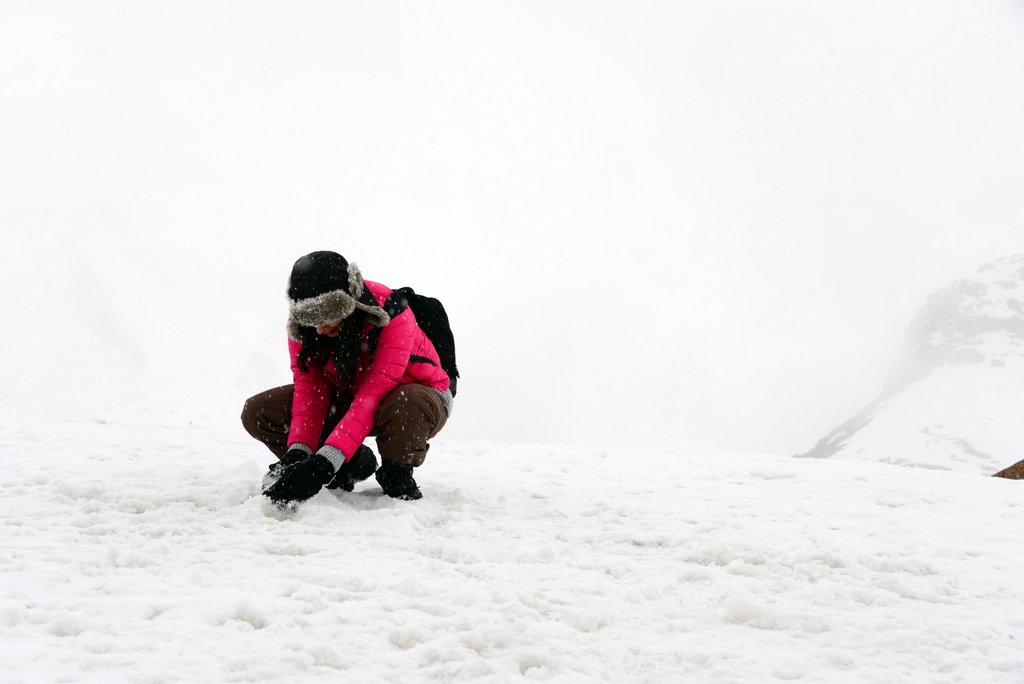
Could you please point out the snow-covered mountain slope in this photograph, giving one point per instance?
(955, 394)
(145, 554)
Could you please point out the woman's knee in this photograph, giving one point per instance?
(250, 409)
(270, 407)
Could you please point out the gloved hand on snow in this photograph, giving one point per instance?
(298, 452)
(356, 469)
(300, 480)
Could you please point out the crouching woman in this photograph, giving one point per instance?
(361, 367)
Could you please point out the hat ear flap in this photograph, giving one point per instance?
(355, 281)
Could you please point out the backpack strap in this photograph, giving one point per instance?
(396, 303)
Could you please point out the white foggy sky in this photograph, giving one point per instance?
(662, 223)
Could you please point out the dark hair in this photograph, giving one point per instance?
(344, 348)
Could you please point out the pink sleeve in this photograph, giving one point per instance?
(310, 402)
(389, 363)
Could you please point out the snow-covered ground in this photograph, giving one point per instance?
(144, 554)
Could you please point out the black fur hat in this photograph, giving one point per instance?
(325, 287)
(317, 273)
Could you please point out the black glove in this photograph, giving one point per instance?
(299, 481)
(293, 455)
(356, 469)
(274, 469)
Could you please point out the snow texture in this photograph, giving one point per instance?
(953, 397)
(146, 555)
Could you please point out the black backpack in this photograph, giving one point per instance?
(433, 320)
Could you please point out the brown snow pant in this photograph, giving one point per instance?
(409, 416)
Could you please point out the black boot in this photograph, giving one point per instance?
(396, 481)
(356, 469)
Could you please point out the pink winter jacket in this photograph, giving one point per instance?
(392, 366)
